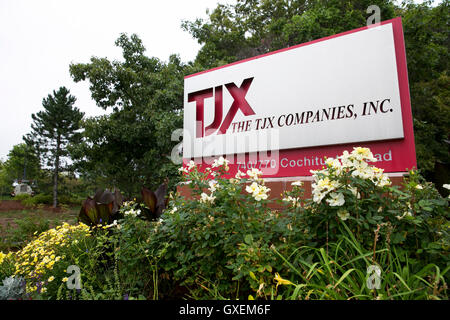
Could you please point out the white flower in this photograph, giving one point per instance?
(363, 171)
(318, 196)
(204, 198)
(295, 201)
(221, 162)
(406, 213)
(297, 183)
(212, 185)
(446, 186)
(183, 169)
(132, 212)
(347, 160)
(191, 165)
(254, 173)
(239, 174)
(363, 154)
(258, 192)
(419, 187)
(383, 180)
(343, 214)
(323, 184)
(262, 194)
(355, 192)
(174, 209)
(336, 199)
(114, 224)
(335, 164)
(254, 187)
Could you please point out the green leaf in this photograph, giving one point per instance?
(343, 277)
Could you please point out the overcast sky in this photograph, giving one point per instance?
(39, 39)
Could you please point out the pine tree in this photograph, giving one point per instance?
(54, 129)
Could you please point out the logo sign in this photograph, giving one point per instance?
(285, 111)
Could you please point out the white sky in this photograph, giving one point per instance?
(39, 39)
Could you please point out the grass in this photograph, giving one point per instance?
(341, 273)
(19, 226)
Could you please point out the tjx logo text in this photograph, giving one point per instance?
(239, 102)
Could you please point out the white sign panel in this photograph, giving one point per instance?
(341, 90)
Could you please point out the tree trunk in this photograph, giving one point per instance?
(55, 177)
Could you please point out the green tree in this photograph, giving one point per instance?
(130, 146)
(21, 164)
(252, 27)
(54, 129)
(427, 43)
(4, 185)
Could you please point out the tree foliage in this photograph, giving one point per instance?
(427, 43)
(53, 129)
(130, 145)
(252, 27)
(21, 163)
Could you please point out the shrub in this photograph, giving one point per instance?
(26, 229)
(22, 197)
(343, 271)
(69, 199)
(40, 198)
(224, 242)
(202, 243)
(349, 189)
(43, 261)
(7, 267)
(355, 220)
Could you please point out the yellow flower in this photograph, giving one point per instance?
(279, 280)
(51, 279)
(65, 279)
(2, 257)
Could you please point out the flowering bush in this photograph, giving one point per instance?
(45, 259)
(224, 242)
(215, 238)
(131, 208)
(7, 266)
(350, 189)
